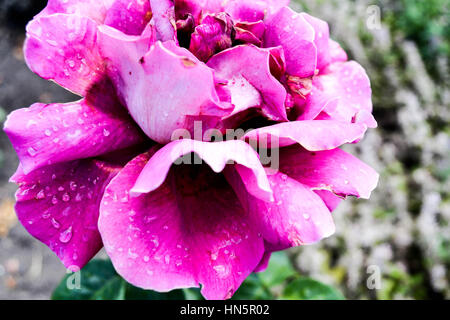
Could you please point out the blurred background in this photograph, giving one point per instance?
(403, 230)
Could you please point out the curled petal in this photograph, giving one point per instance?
(164, 19)
(330, 199)
(333, 170)
(297, 216)
(217, 155)
(290, 30)
(343, 91)
(249, 79)
(252, 33)
(313, 135)
(213, 35)
(59, 205)
(321, 40)
(130, 17)
(162, 89)
(55, 133)
(181, 234)
(64, 48)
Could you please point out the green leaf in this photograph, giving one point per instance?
(280, 268)
(84, 285)
(309, 289)
(259, 286)
(99, 281)
(113, 289)
(253, 289)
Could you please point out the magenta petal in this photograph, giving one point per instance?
(163, 89)
(49, 134)
(321, 40)
(250, 82)
(164, 19)
(333, 170)
(95, 10)
(130, 17)
(330, 199)
(175, 238)
(264, 263)
(64, 48)
(343, 91)
(297, 216)
(251, 11)
(59, 205)
(291, 30)
(211, 36)
(313, 135)
(216, 154)
(337, 54)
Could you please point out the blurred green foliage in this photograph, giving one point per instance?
(424, 22)
(99, 281)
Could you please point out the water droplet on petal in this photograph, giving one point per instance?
(66, 235)
(40, 195)
(31, 151)
(66, 197)
(55, 223)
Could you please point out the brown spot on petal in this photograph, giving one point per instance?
(188, 63)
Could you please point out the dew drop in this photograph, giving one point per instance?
(73, 185)
(66, 197)
(55, 223)
(31, 151)
(106, 133)
(65, 236)
(40, 195)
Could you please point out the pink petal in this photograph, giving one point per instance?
(321, 40)
(216, 154)
(337, 54)
(250, 32)
(163, 88)
(332, 170)
(50, 134)
(255, 10)
(129, 16)
(291, 30)
(95, 10)
(250, 82)
(297, 216)
(330, 199)
(164, 19)
(342, 91)
(264, 263)
(212, 36)
(175, 237)
(313, 135)
(64, 48)
(59, 205)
